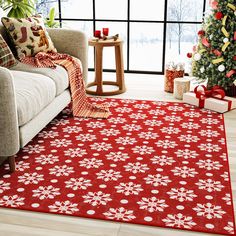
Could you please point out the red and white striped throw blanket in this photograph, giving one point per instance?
(80, 105)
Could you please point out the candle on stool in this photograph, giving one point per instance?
(97, 33)
(105, 31)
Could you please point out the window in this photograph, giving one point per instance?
(113, 10)
(74, 9)
(154, 31)
(146, 46)
(147, 10)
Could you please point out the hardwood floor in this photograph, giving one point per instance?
(25, 223)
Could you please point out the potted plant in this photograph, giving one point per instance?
(50, 21)
(18, 8)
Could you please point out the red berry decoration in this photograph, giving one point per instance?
(201, 33)
(189, 55)
(234, 58)
(219, 15)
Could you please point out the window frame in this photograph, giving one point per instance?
(165, 22)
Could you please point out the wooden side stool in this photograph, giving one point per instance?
(98, 82)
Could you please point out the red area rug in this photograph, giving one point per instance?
(154, 163)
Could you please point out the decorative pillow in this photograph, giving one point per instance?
(29, 35)
(7, 59)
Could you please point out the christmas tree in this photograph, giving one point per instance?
(214, 57)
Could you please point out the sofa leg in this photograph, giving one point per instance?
(12, 163)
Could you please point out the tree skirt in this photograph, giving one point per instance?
(154, 163)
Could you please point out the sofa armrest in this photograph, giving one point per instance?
(72, 42)
(9, 130)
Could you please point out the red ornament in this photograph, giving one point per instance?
(189, 55)
(219, 15)
(201, 33)
(205, 42)
(214, 5)
(234, 58)
(217, 52)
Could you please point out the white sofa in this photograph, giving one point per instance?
(31, 97)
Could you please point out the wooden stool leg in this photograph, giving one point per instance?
(12, 163)
(120, 67)
(98, 69)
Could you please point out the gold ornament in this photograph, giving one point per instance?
(202, 51)
(224, 20)
(225, 32)
(225, 46)
(231, 6)
(218, 60)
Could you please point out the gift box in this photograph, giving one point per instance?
(210, 100)
(172, 72)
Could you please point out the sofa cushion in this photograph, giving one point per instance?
(29, 35)
(7, 59)
(33, 93)
(58, 75)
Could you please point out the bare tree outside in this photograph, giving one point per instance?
(43, 6)
(178, 10)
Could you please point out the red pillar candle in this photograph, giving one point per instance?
(105, 31)
(97, 33)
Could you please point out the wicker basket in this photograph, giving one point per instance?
(170, 75)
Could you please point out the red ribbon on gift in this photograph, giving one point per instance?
(216, 92)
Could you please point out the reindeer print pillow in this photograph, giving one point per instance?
(29, 35)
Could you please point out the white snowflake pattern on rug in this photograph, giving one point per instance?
(47, 159)
(12, 201)
(75, 152)
(143, 150)
(209, 164)
(126, 140)
(78, 183)
(157, 180)
(182, 194)
(120, 214)
(152, 204)
(185, 172)
(117, 156)
(108, 175)
(163, 160)
(97, 198)
(209, 185)
(179, 221)
(4, 186)
(30, 178)
(91, 163)
(30, 149)
(60, 143)
(186, 154)
(136, 167)
(129, 188)
(44, 192)
(209, 210)
(64, 207)
(86, 137)
(21, 166)
(61, 170)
